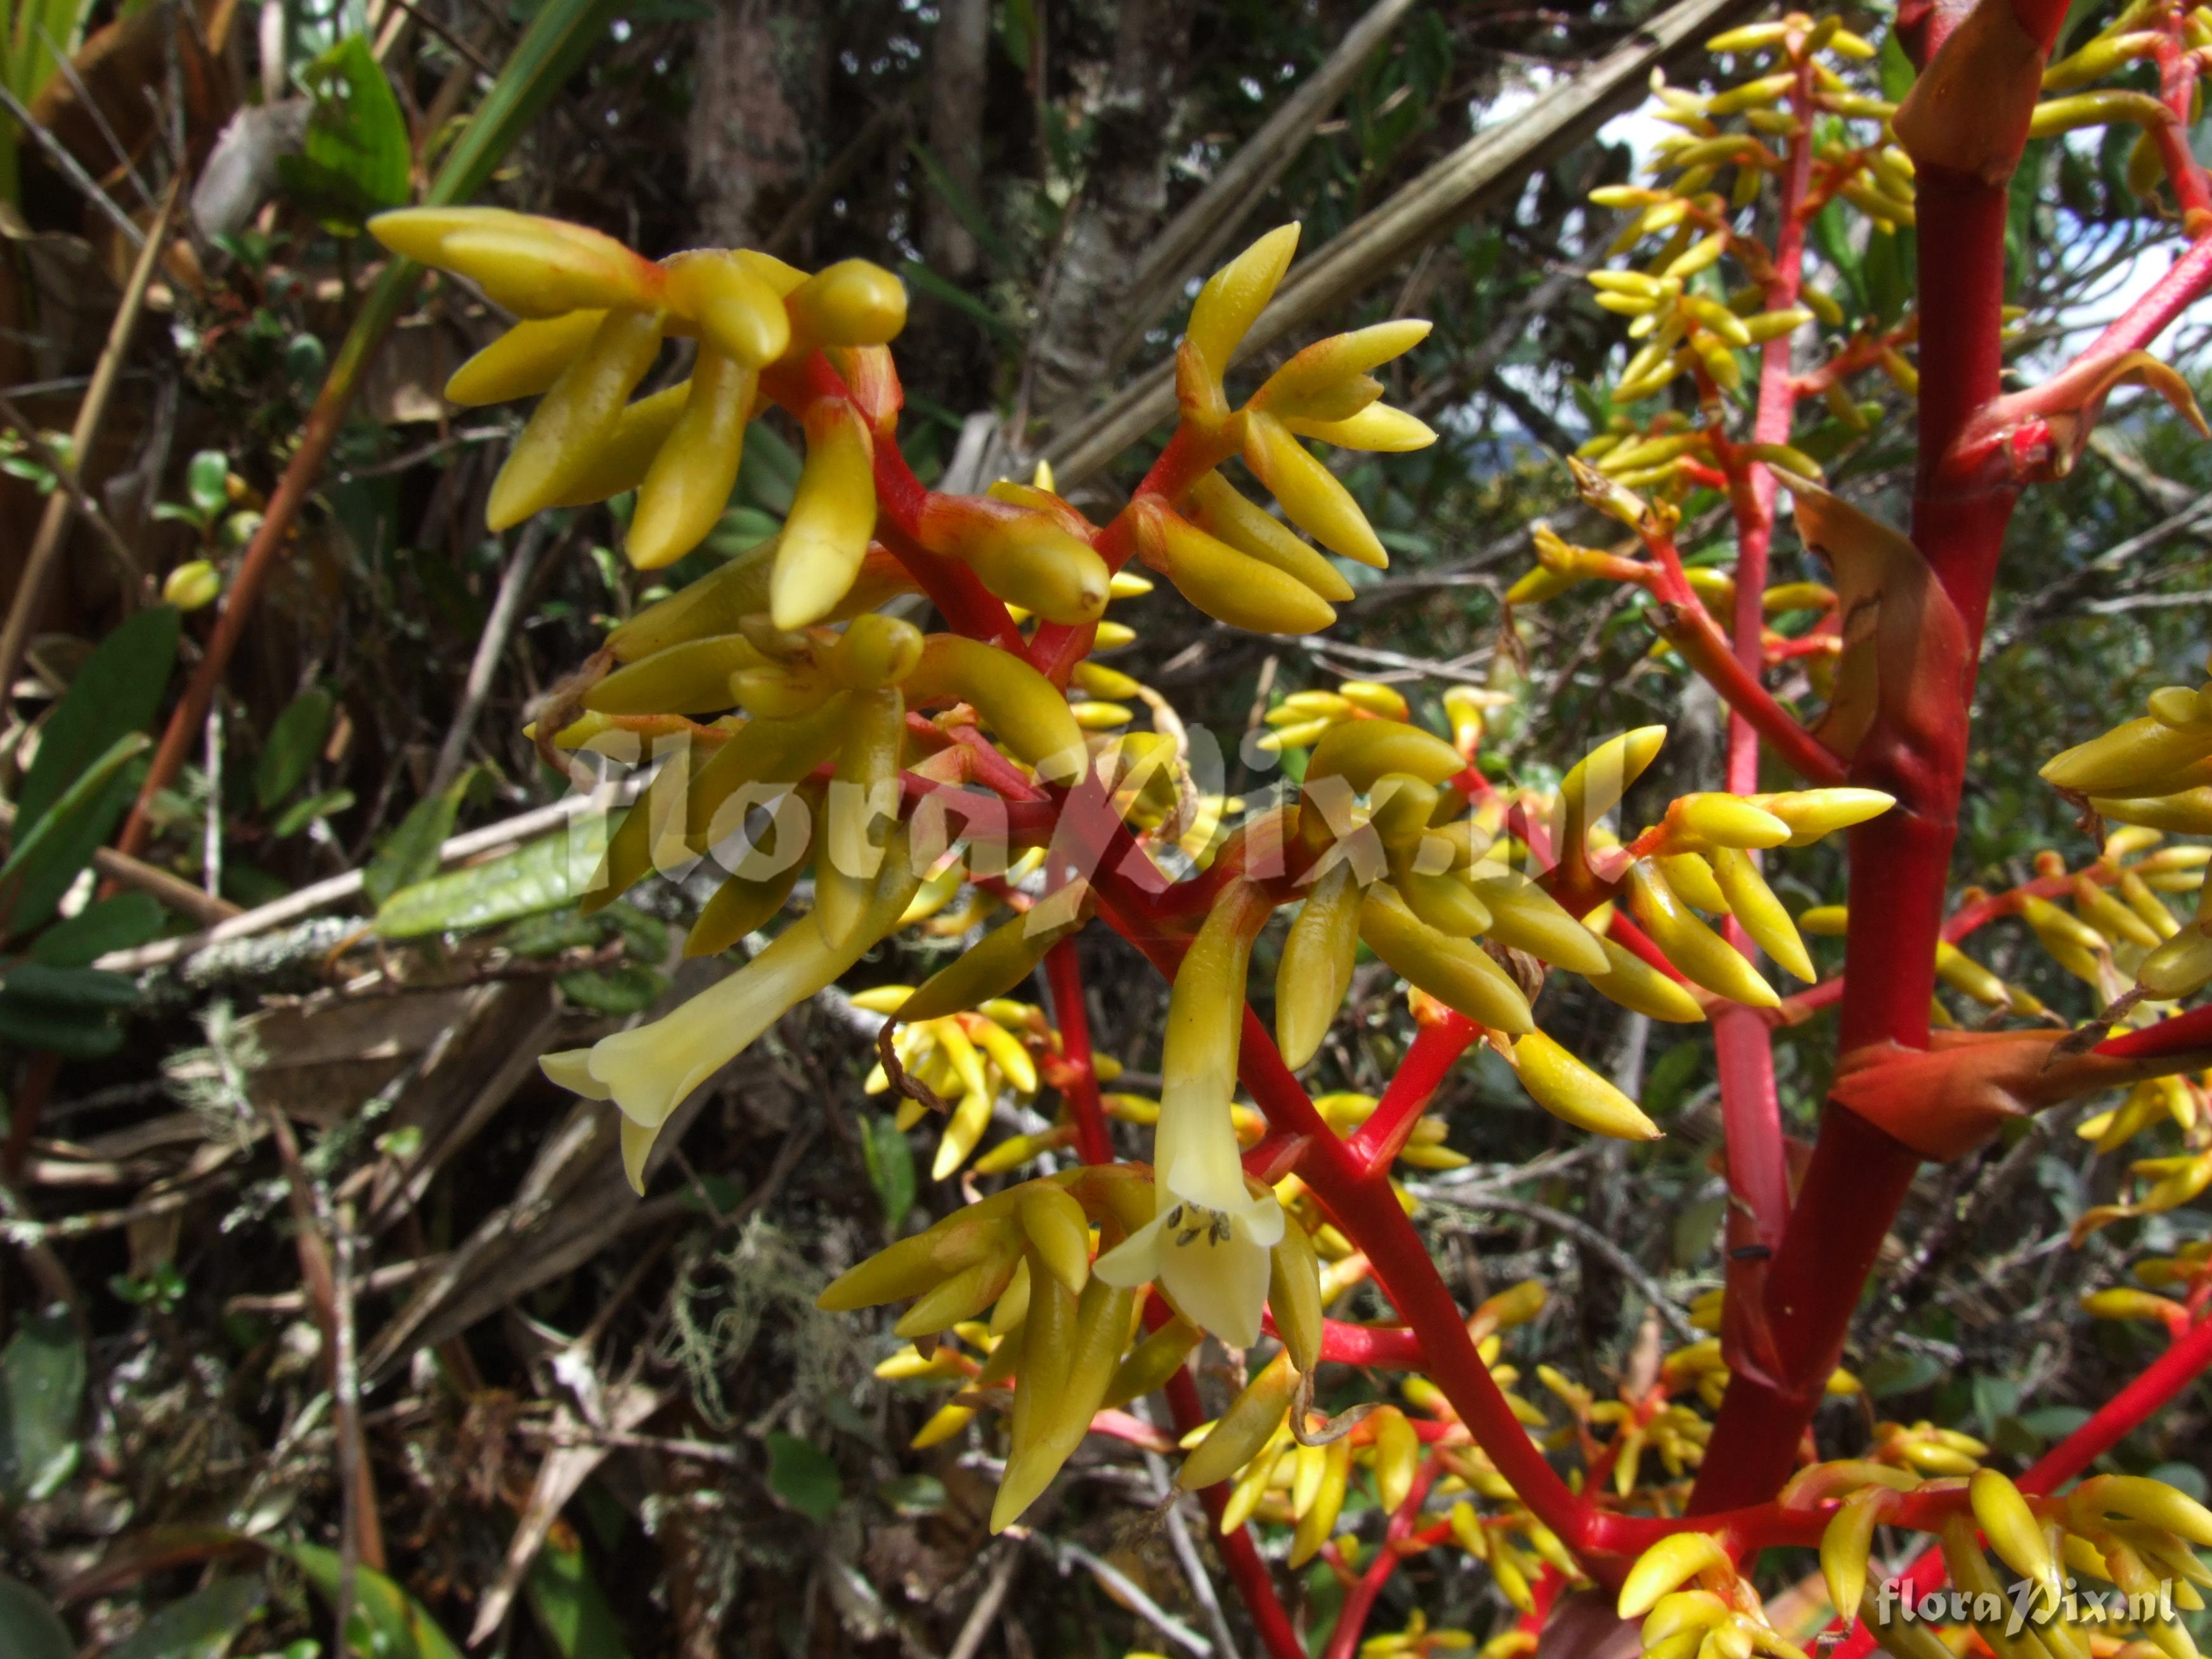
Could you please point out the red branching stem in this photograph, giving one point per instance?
(2126, 1411)
(2166, 299)
(2180, 1034)
(1064, 973)
(1859, 1175)
(1691, 629)
(2177, 86)
(1398, 1539)
(1436, 1050)
(1751, 1108)
(2119, 1417)
(1367, 1211)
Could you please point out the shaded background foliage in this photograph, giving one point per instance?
(739, 1483)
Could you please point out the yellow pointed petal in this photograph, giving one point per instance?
(688, 486)
(833, 514)
(1309, 493)
(1754, 905)
(1569, 1090)
(524, 360)
(573, 421)
(1235, 295)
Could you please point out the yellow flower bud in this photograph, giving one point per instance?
(1569, 1090)
(1246, 1426)
(1754, 905)
(572, 422)
(1224, 584)
(524, 360)
(191, 585)
(1219, 508)
(1667, 1565)
(833, 514)
(1021, 705)
(1635, 984)
(1234, 296)
(688, 483)
(1457, 974)
(1699, 951)
(1316, 964)
(732, 308)
(2128, 755)
(1316, 503)
(852, 303)
(1294, 1294)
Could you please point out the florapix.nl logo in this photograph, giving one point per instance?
(2027, 1601)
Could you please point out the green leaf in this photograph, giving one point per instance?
(965, 208)
(293, 742)
(958, 298)
(1898, 74)
(802, 1474)
(34, 1629)
(549, 935)
(1670, 1077)
(890, 1166)
(387, 1622)
(409, 854)
(355, 158)
(302, 813)
(115, 692)
(624, 990)
(2054, 1422)
(41, 1388)
(45, 861)
(914, 1494)
(201, 1626)
(115, 924)
(741, 527)
(1898, 1373)
(571, 1609)
(70, 988)
(768, 472)
(206, 478)
(538, 876)
(72, 1033)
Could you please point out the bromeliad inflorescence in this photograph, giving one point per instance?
(933, 773)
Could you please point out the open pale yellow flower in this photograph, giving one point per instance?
(649, 1070)
(1208, 1240)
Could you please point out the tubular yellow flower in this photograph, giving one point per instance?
(1309, 492)
(833, 512)
(1316, 969)
(523, 361)
(1208, 1240)
(574, 419)
(1569, 1090)
(688, 483)
(1235, 295)
(648, 1071)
